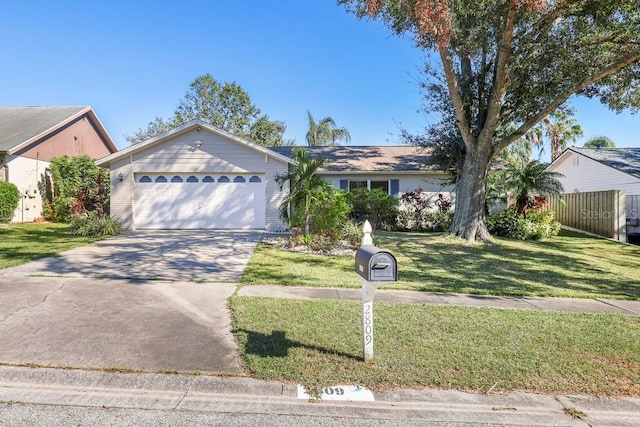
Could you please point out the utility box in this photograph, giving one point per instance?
(376, 265)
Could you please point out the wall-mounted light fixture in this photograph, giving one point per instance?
(120, 177)
(198, 143)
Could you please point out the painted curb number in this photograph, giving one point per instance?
(341, 392)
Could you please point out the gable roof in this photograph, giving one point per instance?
(20, 126)
(625, 160)
(194, 124)
(373, 159)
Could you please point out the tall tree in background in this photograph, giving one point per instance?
(514, 61)
(325, 132)
(224, 105)
(600, 142)
(561, 129)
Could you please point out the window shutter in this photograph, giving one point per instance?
(344, 184)
(394, 187)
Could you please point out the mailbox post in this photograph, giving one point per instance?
(375, 266)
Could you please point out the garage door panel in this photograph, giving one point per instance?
(200, 205)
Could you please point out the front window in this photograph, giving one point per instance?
(354, 185)
(381, 185)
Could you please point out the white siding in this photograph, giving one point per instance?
(28, 175)
(407, 182)
(179, 155)
(582, 174)
(216, 154)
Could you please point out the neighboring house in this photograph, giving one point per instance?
(31, 136)
(599, 169)
(603, 169)
(197, 176)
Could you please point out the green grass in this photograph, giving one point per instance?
(21, 243)
(318, 343)
(570, 265)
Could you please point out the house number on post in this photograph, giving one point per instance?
(375, 266)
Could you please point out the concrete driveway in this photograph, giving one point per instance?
(198, 255)
(96, 307)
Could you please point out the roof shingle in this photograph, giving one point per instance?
(19, 124)
(623, 159)
(398, 158)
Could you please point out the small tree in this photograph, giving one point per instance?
(79, 186)
(9, 198)
(529, 179)
(302, 181)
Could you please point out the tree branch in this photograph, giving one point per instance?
(456, 97)
(563, 97)
(500, 78)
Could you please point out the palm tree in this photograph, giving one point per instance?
(561, 129)
(530, 178)
(600, 142)
(302, 180)
(325, 132)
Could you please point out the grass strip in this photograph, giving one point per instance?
(21, 243)
(318, 343)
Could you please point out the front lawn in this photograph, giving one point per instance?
(570, 265)
(21, 243)
(318, 343)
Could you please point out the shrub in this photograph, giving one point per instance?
(352, 232)
(319, 242)
(79, 186)
(91, 224)
(538, 224)
(9, 198)
(380, 208)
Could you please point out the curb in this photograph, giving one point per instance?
(242, 395)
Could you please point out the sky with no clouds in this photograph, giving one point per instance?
(134, 60)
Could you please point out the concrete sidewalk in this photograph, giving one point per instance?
(571, 305)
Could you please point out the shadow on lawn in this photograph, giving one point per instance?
(277, 344)
(510, 269)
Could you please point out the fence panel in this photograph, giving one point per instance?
(600, 212)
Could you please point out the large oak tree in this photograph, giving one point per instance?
(505, 62)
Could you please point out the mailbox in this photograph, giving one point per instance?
(376, 265)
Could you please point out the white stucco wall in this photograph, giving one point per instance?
(26, 174)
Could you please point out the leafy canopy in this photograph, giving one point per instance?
(303, 181)
(502, 63)
(226, 106)
(325, 132)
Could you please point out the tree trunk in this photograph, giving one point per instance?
(469, 215)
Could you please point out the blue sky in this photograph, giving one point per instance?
(133, 61)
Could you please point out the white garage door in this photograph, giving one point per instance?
(192, 201)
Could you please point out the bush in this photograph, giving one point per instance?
(380, 208)
(352, 232)
(426, 221)
(91, 224)
(538, 224)
(79, 186)
(9, 198)
(318, 242)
